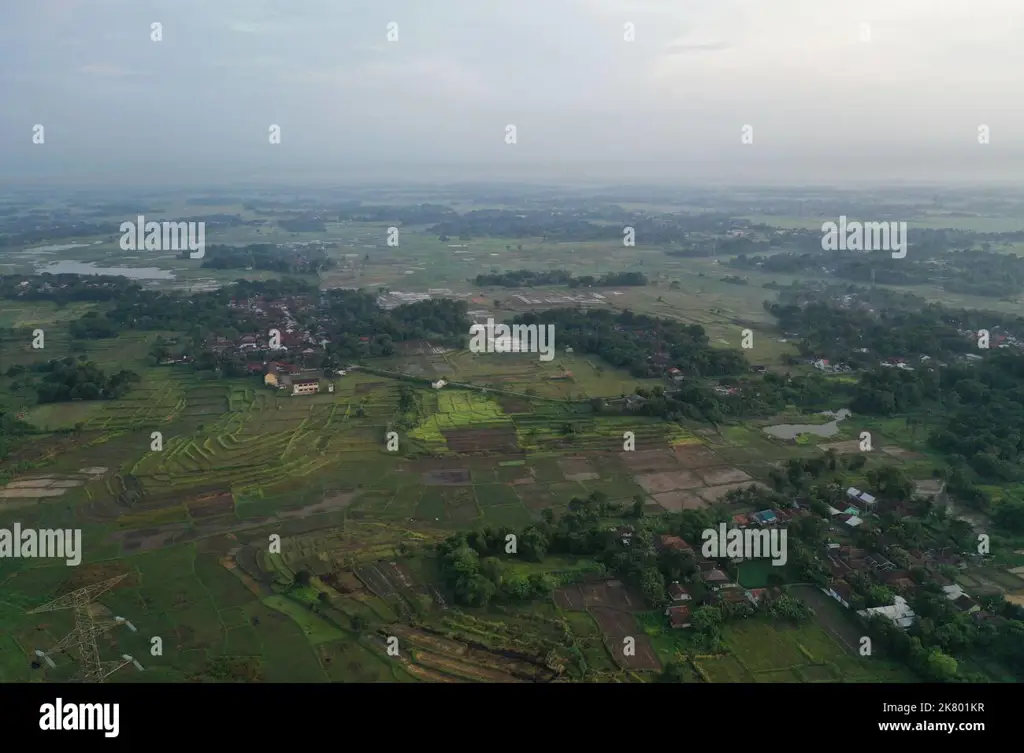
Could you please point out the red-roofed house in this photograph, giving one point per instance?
(679, 617)
(674, 542)
(678, 593)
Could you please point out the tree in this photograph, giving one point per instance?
(302, 578)
(940, 667)
(638, 506)
(674, 672)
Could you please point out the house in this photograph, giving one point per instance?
(733, 596)
(857, 495)
(899, 612)
(678, 593)
(678, 617)
(741, 520)
(674, 542)
(765, 517)
(305, 386)
(756, 594)
(759, 368)
(961, 600)
(898, 579)
(714, 577)
(438, 384)
(840, 591)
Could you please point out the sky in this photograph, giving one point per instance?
(649, 91)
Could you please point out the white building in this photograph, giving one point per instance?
(899, 612)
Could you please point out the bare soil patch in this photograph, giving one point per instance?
(723, 475)
(570, 599)
(679, 500)
(210, 507)
(499, 439)
(650, 460)
(515, 405)
(901, 454)
(31, 493)
(643, 658)
(928, 487)
(332, 501)
(611, 593)
(695, 456)
(615, 623)
(715, 493)
(574, 465)
(453, 477)
(32, 483)
(654, 483)
(846, 447)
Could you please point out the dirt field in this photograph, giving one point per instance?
(615, 623)
(452, 477)
(722, 475)
(482, 440)
(570, 599)
(849, 447)
(650, 460)
(577, 469)
(515, 405)
(209, 507)
(611, 593)
(901, 454)
(644, 657)
(696, 456)
(679, 500)
(715, 493)
(655, 483)
(928, 488)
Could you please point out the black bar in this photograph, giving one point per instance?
(507, 714)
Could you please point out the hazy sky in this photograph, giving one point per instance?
(826, 105)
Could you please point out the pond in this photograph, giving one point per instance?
(90, 268)
(792, 431)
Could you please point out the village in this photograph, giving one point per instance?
(717, 581)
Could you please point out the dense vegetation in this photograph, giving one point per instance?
(269, 257)
(68, 379)
(644, 345)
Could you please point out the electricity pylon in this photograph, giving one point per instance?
(87, 627)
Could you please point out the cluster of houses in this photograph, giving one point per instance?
(843, 560)
(712, 576)
(840, 560)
